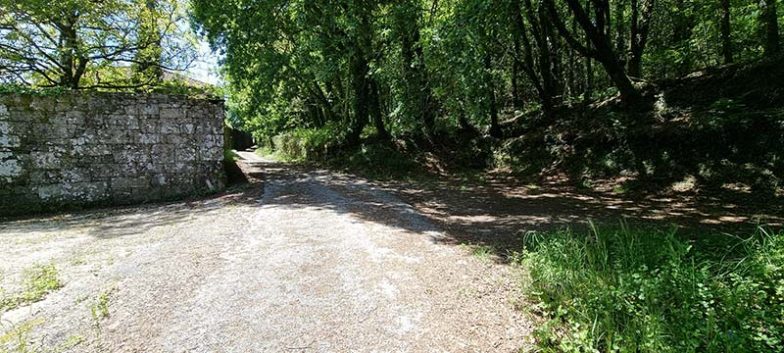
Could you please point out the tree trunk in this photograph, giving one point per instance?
(359, 76)
(600, 49)
(148, 57)
(726, 37)
(419, 95)
(639, 35)
(517, 64)
(684, 21)
(426, 95)
(527, 63)
(326, 105)
(545, 59)
(495, 128)
(544, 81)
(770, 24)
(620, 31)
(375, 110)
(68, 42)
(359, 84)
(517, 99)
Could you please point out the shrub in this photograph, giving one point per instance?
(643, 290)
(377, 160)
(305, 143)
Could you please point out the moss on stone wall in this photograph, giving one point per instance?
(87, 148)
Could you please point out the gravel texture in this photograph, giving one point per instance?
(316, 262)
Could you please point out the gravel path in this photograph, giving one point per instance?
(318, 262)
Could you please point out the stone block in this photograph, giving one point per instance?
(211, 153)
(10, 167)
(87, 191)
(8, 140)
(171, 113)
(129, 183)
(186, 154)
(163, 152)
(82, 147)
(46, 159)
(148, 139)
(176, 139)
(150, 111)
(169, 127)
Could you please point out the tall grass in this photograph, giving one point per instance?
(644, 290)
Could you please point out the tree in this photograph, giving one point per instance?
(770, 27)
(642, 12)
(726, 32)
(360, 39)
(600, 49)
(418, 95)
(316, 68)
(58, 43)
(148, 58)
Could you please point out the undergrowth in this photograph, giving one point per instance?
(39, 281)
(643, 290)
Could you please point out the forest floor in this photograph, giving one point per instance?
(495, 212)
(308, 260)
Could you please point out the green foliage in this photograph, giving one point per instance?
(378, 161)
(84, 43)
(645, 290)
(17, 338)
(183, 87)
(39, 281)
(100, 309)
(14, 88)
(302, 76)
(304, 143)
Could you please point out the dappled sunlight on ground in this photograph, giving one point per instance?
(496, 211)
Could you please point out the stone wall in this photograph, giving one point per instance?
(89, 148)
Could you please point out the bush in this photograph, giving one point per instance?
(641, 290)
(305, 143)
(377, 160)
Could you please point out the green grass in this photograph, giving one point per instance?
(481, 252)
(646, 290)
(230, 155)
(39, 281)
(17, 338)
(99, 309)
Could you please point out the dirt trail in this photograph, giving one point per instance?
(318, 262)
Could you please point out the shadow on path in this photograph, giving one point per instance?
(493, 214)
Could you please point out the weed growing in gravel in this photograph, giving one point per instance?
(17, 338)
(643, 290)
(482, 252)
(71, 342)
(39, 280)
(100, 308)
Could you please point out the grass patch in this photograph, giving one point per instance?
(99, 309)
(39, 280)
(17, 338)
(644, 290)
(230, 155)
(481, 252)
